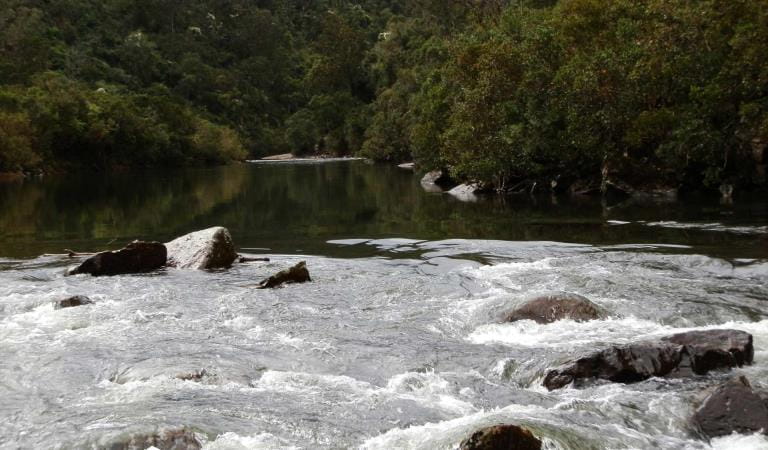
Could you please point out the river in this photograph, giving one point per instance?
(395, 344)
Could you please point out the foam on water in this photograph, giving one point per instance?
(714, 226)
(741, 442)
(566, 333)
(262, 441)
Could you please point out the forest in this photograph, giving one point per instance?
(504, 92)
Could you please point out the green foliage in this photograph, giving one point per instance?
(540, 90)
(496, 91)
(17, 139)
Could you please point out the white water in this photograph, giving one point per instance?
(377, 353)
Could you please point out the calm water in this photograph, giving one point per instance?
(396, 342)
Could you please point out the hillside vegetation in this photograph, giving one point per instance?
(666, 93)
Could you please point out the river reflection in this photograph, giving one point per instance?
(298, 208)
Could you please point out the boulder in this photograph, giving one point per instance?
(136, 257)
(501, 437)
(708, 350)
(206, 249)
(437, 178)
(466, 192)
(550, 308)
(170, 439)
(731, 407)
(680, 355)
(295, 274)
(77, 300)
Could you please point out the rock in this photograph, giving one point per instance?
(466, 192)
(296, 274)
(502, 437)
(77, 300)
(732, 407)
(438, 178)
(680, 355)
(714, 349)
(281, 157)
(206, 249)
(170, 439)
(407, 166)
(136, 257)
(550, 308)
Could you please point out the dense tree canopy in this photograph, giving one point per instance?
(494, 90)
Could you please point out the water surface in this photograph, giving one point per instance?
(396, 343)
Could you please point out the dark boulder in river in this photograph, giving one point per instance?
(680, 355)
(136, 257)
(501, 437)
(731, 407)
(550, 308)
(295, 274)
(713, 349)
(77, 300)
(170, 439)
(206, 249)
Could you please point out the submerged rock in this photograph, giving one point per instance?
(680, 355)
(71, 302)
(136, 257)
(295, 274)
(194, 376)
(211, 248)
(170, 439)
(732, 407)
(550, 308)
(502, 437)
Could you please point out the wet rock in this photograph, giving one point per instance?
(71, 302)
(680, 355)
(502, 437)
(731, 407)
(206, 249)
(550, 308)
(407, 166)
(170, 439)
(136, 257)
(466, 192)
(296, 274)
(708, 350)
